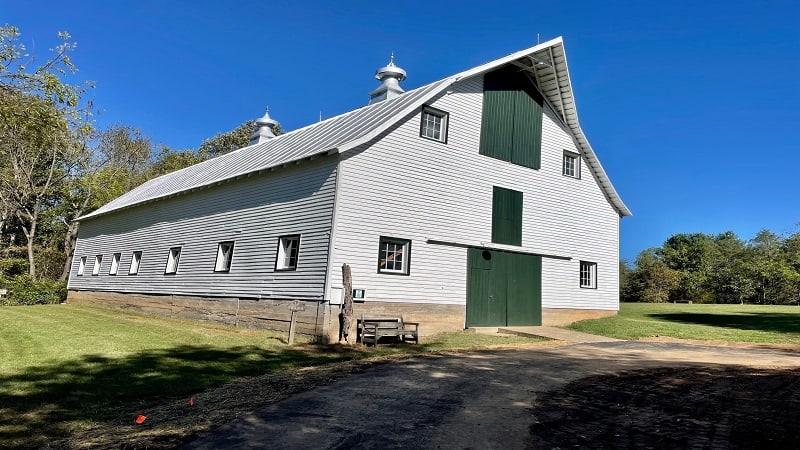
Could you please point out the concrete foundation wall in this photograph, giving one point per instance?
(559, 316)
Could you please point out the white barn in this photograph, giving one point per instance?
(472, 201)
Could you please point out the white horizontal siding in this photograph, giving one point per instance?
(253, 212)
(406, 186)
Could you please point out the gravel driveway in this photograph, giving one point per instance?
(516, 398)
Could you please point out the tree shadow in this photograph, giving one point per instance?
(41, 404)
(772, 322)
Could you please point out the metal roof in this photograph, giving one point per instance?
(546, 62)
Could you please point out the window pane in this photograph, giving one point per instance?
(97, 260)
(392, 256)
(135, 260)
(224, 257)
(114, 264)
(82, 265)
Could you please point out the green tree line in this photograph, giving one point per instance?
(56, 165)
(717, 269)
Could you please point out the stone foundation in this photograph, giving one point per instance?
(558, 316)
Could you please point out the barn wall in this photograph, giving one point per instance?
(252, 211)
(405, 186)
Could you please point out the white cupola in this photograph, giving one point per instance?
(265, 129)
(390, 77)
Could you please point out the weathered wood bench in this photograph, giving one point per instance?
(370, 329)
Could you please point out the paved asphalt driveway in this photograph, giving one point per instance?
(481, 400)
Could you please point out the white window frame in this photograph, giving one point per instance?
(98, 259)
(576, 165)
(82, 266)
(387, 256)
(429, 117)
(136, 261)
(588, 275)
(173, 260)
(288, 254)
(114, 263)
(224, 256)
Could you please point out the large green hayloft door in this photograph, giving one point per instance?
(503, 289)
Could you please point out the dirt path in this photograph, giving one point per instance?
(522, 398)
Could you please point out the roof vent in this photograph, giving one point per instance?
(265, 129)
(390, 77)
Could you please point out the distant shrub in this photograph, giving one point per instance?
(24, 290)
(11, 267)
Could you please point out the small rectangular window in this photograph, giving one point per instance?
(97, 260)
(224, 257)
(588, 275)
(571, 166)
(434, 124)
(394, 256)
(114, 264)
(82, 265)
(136, 259)
(172, 261)
(288, 252)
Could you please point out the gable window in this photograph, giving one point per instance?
(394, 256)
(136, 259)
(511, 121)
(172, 261)
(288, 251)
(571, 166)
(588, 275)
(434, 124)
(82, 265)
(97, 260)
(224, 257)
(114, 264)
(506, 216)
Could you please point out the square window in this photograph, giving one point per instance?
(82, 265)
(394, 256)
(97, 260)
(434, 124)
(224, 257)
(136, 259)
(571, 165)
(588, 275)
(288, 251)
(114, 263)
(172, 261)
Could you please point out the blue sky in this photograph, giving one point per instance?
(693, 107)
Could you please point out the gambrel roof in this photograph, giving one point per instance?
(546, 63)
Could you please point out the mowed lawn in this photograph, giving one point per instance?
(66, 368)
(736, 323)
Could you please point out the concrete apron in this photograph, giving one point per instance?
(559, 334)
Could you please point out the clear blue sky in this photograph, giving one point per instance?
(692, 106)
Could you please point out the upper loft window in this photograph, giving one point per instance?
(511, 121)
(97, 260)
(82, 265)
(394, 256)
(288, 252)
(224, 257)
(136, 259)
(172, 261)
(434, 124)
(572, 164)
(114, 263)
(588, 275)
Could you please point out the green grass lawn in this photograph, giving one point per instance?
(737, 323)
(66, 367)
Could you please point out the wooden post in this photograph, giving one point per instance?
(296, 306)
(347, 306)
(291, 329)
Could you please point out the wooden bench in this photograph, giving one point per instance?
(3, 292)
(370, 329)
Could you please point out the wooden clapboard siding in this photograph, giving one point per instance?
(252, 211)
(409, 187)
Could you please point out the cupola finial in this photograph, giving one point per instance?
(390, 77)
(265, 129)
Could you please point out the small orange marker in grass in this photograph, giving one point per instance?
(140, 419)
(191, 401)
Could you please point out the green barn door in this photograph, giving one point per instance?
(487, 292)
(503, 289)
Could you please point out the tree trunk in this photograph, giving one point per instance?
(69, 248)
(347, 307)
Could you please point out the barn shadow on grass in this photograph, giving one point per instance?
(42, 404)
(772, 322)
